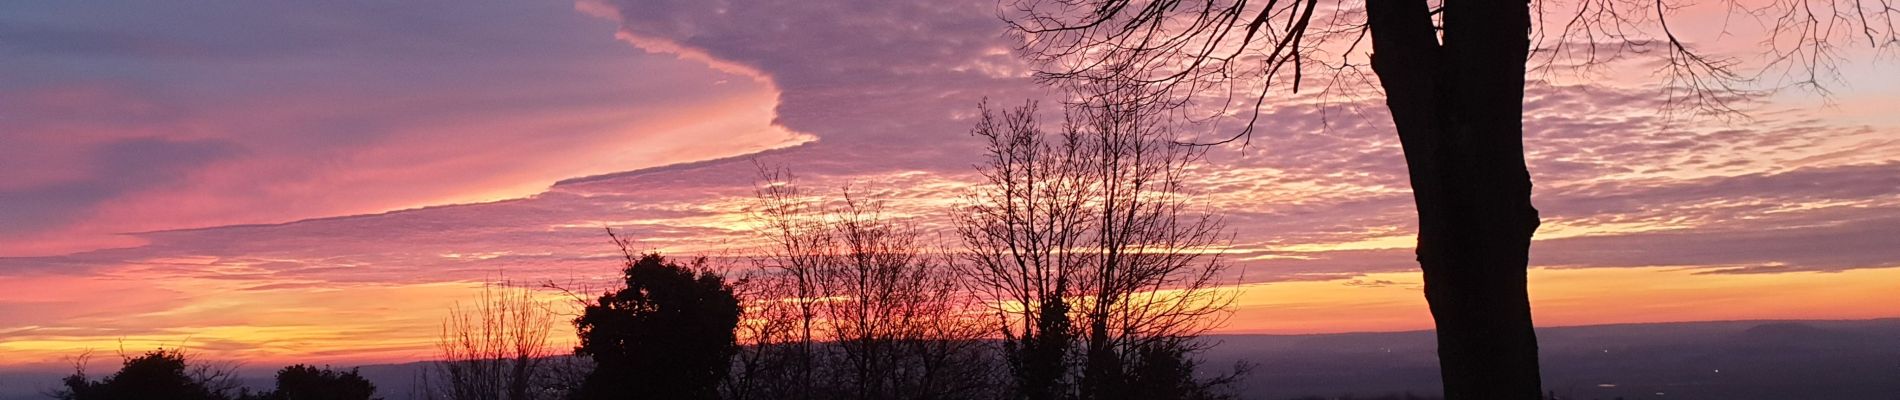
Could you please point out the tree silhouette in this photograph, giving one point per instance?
(495, 348)
(1162, 370)
(158, 374)
(304, 382)
(1018, 233)
(1453, 75)
(859, 302)
(667, 335)
(1039, 354)
(1087, 240)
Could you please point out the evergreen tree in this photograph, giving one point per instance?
(667, 335)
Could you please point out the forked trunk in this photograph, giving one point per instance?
(1458, 107)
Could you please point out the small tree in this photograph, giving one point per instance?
(159, 374)
(667, 335)
(494, 349)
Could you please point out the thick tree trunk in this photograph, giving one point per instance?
(1458, 108)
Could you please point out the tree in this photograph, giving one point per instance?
(304, 382)
(1089, 241)
(494, 349)
(1162, 370)
(1016, 236)
(1453, 75)
(158, 374)
(667, 335)
(859, 302)
(800, 250)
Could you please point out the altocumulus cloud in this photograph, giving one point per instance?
(887, 90)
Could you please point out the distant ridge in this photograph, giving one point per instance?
(1741, 360)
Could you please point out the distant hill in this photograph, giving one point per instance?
(1691, 360)
(1739, 360)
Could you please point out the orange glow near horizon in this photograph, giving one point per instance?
(1570, 297)
(358, 325)
(325, 190)
(400, 323)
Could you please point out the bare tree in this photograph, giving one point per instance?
(496, 348)
(1089, 241)
(1453, 76)
(1156, 276)
(800, 249)
(1019, 235)
(768, 364)
(865, 308)
(898, 313)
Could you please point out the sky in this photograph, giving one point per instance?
(321, 181)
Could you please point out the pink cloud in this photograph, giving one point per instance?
(209, 138)
(521, 177)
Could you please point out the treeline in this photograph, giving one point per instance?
(169, 374)
(1078, 268)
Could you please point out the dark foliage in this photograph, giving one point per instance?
(1163, 370)
(304, 382)
(1039, 358)
(159, 374)
(667, 335)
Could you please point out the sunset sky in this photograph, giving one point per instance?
(320, 181)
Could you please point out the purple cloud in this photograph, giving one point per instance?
(886, 91)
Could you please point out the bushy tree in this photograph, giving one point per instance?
(159, 374)
(667, 335)
(304, 382)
